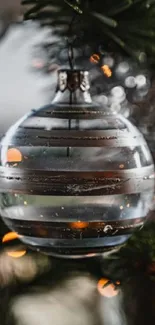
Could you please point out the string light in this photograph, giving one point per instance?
(106, 70)
(94, 58)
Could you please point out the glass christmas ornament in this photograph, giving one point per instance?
(76, 179)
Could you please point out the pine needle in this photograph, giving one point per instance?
(75, 7)
(120, 8)
(106, 20)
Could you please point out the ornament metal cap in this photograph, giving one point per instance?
(73, 80)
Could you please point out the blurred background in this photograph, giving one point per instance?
(21, 88)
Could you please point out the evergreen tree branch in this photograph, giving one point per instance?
(120, 22)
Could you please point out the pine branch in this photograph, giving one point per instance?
(104, 19)
(121, 22)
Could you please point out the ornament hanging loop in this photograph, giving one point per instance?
(70, 42)
(70, 55)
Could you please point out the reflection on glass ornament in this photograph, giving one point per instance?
(147, 128)
(76, 179)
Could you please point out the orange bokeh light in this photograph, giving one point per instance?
(107, 290)
(94, 58)
(106, 70)
(79, 224)
(14, 155)
(16, 254)
(10, 236)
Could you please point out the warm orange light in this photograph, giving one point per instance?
(94, 58)
(14, 155)
(10, 236)
(79, 224)
(106, 70)
(107, 290)
(16, 254)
